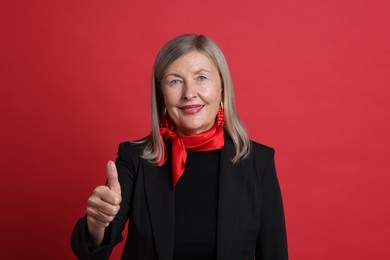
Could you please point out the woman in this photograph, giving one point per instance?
(196, 187)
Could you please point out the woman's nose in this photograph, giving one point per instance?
(189, 91)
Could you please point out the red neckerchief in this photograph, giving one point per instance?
(211, 139)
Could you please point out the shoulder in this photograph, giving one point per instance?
(258, 151)
(129, 158)
(130, 148)
(261, 148)
(261, 154)
(130, 152)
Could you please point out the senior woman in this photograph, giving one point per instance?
(196, 187)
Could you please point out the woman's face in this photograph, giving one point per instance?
(192, 92)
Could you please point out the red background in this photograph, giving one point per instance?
(75, 76)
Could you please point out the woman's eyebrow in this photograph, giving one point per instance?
(201, 70)
(178, 75)
(172, 74)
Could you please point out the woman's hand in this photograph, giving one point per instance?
(103, 205)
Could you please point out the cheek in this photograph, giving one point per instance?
(213, 103)
(170, 98)
(214, 97)
(214, 108)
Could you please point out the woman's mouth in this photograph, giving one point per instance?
(191, 109)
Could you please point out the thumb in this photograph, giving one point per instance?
(112, 177)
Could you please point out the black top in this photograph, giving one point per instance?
(196, 201)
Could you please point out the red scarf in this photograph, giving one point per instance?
(211, 139)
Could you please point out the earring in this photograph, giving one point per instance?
(220, 116)
(166, 121)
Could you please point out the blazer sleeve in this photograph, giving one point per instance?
(80, 240)
(272, 239)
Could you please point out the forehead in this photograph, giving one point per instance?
(192, 62)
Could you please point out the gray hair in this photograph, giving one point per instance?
(154, 150)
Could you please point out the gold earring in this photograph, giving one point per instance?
(164, 111)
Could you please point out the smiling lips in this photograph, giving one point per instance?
(191, 109)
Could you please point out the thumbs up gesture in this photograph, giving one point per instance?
(113, 182)
(103, 204)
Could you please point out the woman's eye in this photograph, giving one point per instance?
(175, 82)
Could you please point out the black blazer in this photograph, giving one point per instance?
(250, 211)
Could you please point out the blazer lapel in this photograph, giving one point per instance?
(161, 200)
(231, 182)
